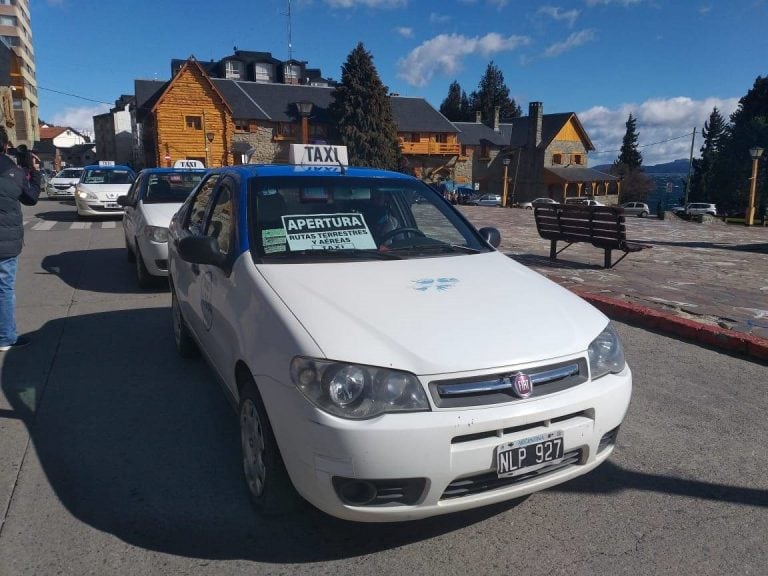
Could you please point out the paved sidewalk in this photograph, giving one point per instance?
(704, 281)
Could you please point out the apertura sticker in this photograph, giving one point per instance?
(327, 232)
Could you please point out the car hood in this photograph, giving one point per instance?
(108, 191)
(435, 315)
(62, 181)
(159, 214)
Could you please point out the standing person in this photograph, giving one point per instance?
(19, 184)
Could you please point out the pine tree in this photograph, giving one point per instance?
(701, 180)
(629, 155)
(362, 114)
(492, 92)
(455, 105)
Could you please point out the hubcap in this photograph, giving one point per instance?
(252, 442)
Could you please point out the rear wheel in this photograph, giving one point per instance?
(185, 344)
(269, 486)
(643, 214)
(130, 254)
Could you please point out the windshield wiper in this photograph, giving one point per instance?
(446, 248)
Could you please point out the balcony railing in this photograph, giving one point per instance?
(429, 148)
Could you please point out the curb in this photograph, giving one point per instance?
(714, 336)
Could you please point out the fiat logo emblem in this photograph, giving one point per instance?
(521, 385)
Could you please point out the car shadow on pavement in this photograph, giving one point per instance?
(760, 248)
(58, 215)
(138, 443)
(537, 261)
(105, 264)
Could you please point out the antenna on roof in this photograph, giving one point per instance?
(290, 41)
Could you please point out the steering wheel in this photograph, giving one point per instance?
(397, 231)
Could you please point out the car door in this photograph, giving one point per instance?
(130, 218)
(217, 310)
(186, 277)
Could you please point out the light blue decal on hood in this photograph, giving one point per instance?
(439, 284)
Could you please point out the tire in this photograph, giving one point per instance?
(185, 344)
(144, 278)
(130, 256)
(269, 487)
(643, 214)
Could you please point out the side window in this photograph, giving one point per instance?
(200, 203)
(220, 225)
(133, 193)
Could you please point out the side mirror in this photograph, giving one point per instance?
(123, 201)
(201, 250)
(491, 235)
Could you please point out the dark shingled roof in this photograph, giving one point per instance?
(579, 174)
(417, 115)
(474, 134)
(147, 93)
(551, 124)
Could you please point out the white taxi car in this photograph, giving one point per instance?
(64, 183)
(99, 187)
(331, 303)
(154, 197)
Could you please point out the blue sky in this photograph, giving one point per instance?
(666, 62)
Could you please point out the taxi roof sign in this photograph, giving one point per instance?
(318, 155)
(188, 164)
(106, 162)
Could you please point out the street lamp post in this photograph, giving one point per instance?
(755, 152)
(305, 109)
(506, 182)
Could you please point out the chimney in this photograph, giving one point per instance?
(535, 114)
(496, 112)
(478, 117)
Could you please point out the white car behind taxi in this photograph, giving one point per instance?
(99, 186)
(154, 197)
(330, 302)
(64, 183)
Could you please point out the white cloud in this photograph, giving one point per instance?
(444, 54)
(498, 3)
(619, 2)
(668, 121)
(435, 18)
(81, 119)
(574, 40)
(557, 13)
(404, 31)
(368, 3)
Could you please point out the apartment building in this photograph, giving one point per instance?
(16, 33)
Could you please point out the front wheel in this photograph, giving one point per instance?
(144, 278)
(643, 214)
(269, 486)
(185, 344)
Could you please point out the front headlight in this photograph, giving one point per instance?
(86, 194)
(356, 391)
(156, 233)
(605, 354)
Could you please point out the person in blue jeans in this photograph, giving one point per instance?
(19, 184)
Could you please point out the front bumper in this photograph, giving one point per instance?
(447, 455)
(54, 192)
(155, 256)
(98, 207)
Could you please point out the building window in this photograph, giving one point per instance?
(8, 21)
(292, 72)
(485, 151)
(441, 138)
(233, 69)
(242, 126)
(286, 131)
(263, 72)
(577, 159)
(557, 158)
(194, 122)
(318, 132)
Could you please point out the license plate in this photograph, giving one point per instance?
(528, 454)
(111, 205)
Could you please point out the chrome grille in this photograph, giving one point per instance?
(497, 388)
(490, 481)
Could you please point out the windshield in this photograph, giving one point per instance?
(170, 187)
(101, 176)
(69, 173)
(317, 218)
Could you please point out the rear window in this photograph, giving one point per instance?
(69, 173)
(102, 176)
(170, 187)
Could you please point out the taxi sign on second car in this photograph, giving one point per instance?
(188, 164)
(318, 155)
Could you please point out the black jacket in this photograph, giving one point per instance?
(16, 185)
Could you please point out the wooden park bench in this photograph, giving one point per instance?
(601, 226)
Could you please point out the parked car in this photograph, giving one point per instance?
(153, 199)
(277, 276)
(639, 209)
(700, 208)
(584, 201)
(464, 194)
(486, 200)
(63, 184)
(535, 201)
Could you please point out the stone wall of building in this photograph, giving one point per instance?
(262, 140)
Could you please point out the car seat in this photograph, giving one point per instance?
(160, 190)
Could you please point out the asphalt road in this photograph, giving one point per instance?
(118, 457)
